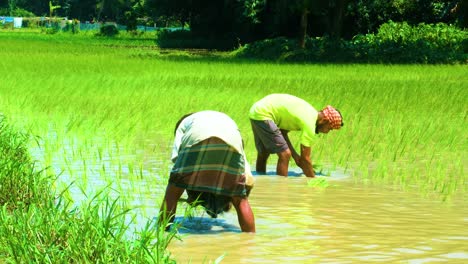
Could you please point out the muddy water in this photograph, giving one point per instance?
(346, 222)
(343, 223)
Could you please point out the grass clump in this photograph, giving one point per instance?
(20, 184)
(37, 226)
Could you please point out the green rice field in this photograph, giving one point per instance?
(103, 113)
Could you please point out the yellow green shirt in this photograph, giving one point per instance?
(288, 112)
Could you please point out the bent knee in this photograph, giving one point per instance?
(285, 155)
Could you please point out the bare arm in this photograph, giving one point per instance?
(169, 205)
(244, 214)
(294, 153)
(305, 162)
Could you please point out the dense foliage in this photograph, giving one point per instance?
(393, 43)
(338, 28)
(108, 31)
(252, 19)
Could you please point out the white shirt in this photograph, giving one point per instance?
(205, 124)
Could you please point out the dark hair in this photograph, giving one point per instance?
(180, 121)
(213, 204)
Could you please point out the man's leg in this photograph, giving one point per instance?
(269, 139)
(262, 158)
(283, 162)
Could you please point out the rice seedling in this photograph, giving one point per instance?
(106, 113)
(319, 182)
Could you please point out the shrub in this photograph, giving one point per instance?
(269, 49)
(8, 25)
(50, 30)
(72, 26)
(393, 43)
(35, 22)
(19, 12)
(108, 31)
(424, 43)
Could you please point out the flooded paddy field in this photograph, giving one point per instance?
(103, 117)
(346, 222)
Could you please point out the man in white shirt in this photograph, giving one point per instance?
(210, 164)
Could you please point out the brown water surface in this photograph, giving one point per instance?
(346, 222)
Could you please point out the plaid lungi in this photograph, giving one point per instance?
(210, 166)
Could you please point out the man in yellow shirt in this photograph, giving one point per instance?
(274, 116)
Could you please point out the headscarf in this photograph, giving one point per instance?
(333, 116)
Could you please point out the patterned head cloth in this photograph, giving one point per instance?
(333, 116)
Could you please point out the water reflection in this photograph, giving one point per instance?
(205, 225)
(344, 223)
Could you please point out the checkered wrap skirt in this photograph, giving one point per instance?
(211, 166)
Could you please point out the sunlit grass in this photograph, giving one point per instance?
(105, 113)
(40, 224)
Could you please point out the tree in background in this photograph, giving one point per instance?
(134, 10)
(251, 20)
(460, 11)
(365, 16)
(52, 8)
(38, 7)
(165, 11)
(109, 9)
(11, 6)
(205, 18)
(83, 10)
(327, 15)
(298, 18)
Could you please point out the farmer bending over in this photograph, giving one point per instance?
(210, 165)
(274, 116)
